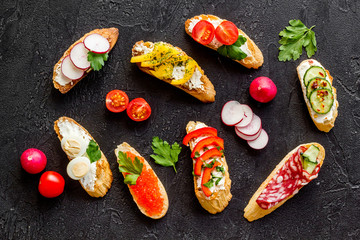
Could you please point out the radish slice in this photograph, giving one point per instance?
(69, 70)
(232, 113)
(248, 116)
(245, 137)
(78, 56)
(252, 128)
(260, 142)
(96, 43)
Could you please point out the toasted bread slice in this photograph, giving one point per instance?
(253, 211)
(329, 121)
(111, 34)
(104, 176)
(256, 59)
(206, 95)
(218, 201)
(125, 147)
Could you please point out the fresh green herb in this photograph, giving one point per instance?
(209, 184)
(197, 154)
(93, 151)
(209, 165)
(218, 180)
(205, 149)
(193, 173)
(233, 51)
(97, 60)
(167, 155)
(133, 168)
(220, 169)
(294, 38)
(218, 148)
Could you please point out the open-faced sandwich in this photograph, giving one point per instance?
(223, 36)
(87, 164)
(319, 94)
(174, 66)
(145, 187)
(211, 176)
(86, 54)
(297, 169)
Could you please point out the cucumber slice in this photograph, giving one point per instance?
(311, 153)
(321, 100)
(314, 72)
(308, 165)
(316, 83)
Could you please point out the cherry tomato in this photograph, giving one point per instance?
(117, 101)
(227, 33)
(203, 32)
(138, 110)
(51, 184)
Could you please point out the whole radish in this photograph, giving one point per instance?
(33, 160)
(263, 89)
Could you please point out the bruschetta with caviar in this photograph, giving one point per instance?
(172, 65)
(211, 175)
(297, 169)
(224, 37)
(88, 163)
(145, 187)
(86, 54)
(319, 94)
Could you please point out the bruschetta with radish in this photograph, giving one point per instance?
(145, 187)
(297, 169)
(88, 163)
(211, 174)
(86, 54)
(319, 94)
(172, 65)
(224, 37)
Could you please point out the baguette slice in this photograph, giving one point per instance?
(219, 200)
(328, 123)
(253, 211)
(104, 176)
(205, 95)
(256, 59)
(111, 34)
(125, 147)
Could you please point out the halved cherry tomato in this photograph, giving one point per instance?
(203, 32)
(196, 133)
(51, 184)
(117, 101)
(138, 110)
(206, 177)
(227, 33)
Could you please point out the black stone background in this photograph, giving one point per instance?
(34, 35)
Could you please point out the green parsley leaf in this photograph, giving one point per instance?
(167, 155)
(218, 148)
(97, 60)
(218, 180)
(93, 151)
(294, 38)
(233, 51)
(209, 184)
(197, 154)
(133, 168)
(220, 169)
(209, 165)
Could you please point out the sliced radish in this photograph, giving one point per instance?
(78, 56)
(232, 113)
(245, 137)
(252, 128)
(69, 70)
(96, 43)
(260, 142)
(248, 116)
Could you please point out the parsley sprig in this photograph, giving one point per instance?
(97, 60)
(233, 51)
(133, 168)
(166, 155)
(93, 151)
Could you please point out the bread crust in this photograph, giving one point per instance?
(207, 95)
(256, 59)
(253, 211)
(104, 176)
(111, 34)
(327, 125)
(125, 147)
(219, 200)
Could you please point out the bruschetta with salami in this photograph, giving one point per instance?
(296, 169)
(211, 174)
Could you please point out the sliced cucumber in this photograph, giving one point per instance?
(311, 153)
(316, 83)
(308, 165)
(321, 100)
(314, 72)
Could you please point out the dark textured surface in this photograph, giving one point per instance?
(33, 36)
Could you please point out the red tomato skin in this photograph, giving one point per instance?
(51, 184)
(134, 105)
(227, 33)
(203, 32)
(33, 160)
(111, 105)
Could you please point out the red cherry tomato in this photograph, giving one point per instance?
(138, 110)
(203, 32)
(227, 33)
(117, 101)
(51, 184)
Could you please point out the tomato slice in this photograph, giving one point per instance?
(203, 32)
(227, 33)
(138, 110)
(117, 101)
